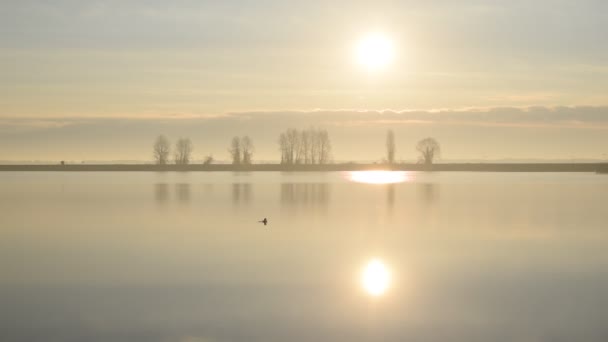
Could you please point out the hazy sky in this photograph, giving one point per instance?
(80, 78)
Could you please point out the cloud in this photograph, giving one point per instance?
(579, 117)
(576, 117)
(32, 124)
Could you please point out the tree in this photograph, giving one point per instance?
(293, 146)
(314, 145)
(304, 153)
(429, 149)
(247, 148)
(324, 147)
(183, 151)
(311, 146)
(390, 147)
(161, 150)
(283, 148)
(235, 151)
(289, 145)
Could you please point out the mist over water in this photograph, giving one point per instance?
(181, 257)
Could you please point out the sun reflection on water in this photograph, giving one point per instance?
(375, 278)
(378, 177)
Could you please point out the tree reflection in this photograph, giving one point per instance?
(182, 192)
(241, 193)
(305, 195)
(390, 196)
(429, 193)
(161, 193)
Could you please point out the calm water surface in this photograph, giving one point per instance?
(181, 257)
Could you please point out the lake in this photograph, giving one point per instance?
(153, 256)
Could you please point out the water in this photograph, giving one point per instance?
(181, 257)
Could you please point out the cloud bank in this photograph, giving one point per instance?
(576, 117)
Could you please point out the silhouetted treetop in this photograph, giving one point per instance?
(183, 151)
(311, 146)
(429, 149)
(161, 150)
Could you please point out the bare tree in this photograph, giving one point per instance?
(314, 145)
(289, 145)
(390, 146)
(311, 146)
(161, 150)
(429, 149)
(247, 148)
(324, 147)
(235, 151)
(183, 151)
(293, 146)
(283, 148)
(306, 137)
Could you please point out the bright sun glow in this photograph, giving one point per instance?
(376, 278)
(375, 51)
(378, 177)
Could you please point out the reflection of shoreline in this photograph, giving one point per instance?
(182, 193)
(161, 193)
(429, 193)
(305, 195)
(241, 193)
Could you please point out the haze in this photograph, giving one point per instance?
(99, 80)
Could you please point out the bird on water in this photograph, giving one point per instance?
(264, 221)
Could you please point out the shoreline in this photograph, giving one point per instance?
(466, 167)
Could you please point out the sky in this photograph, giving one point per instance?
(99, 80)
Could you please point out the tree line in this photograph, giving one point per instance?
(181, 154)
(297, 147)
(428, 149)
(241, 150)
(309, 146)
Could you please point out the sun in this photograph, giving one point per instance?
(375, 278)
(374, 51)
